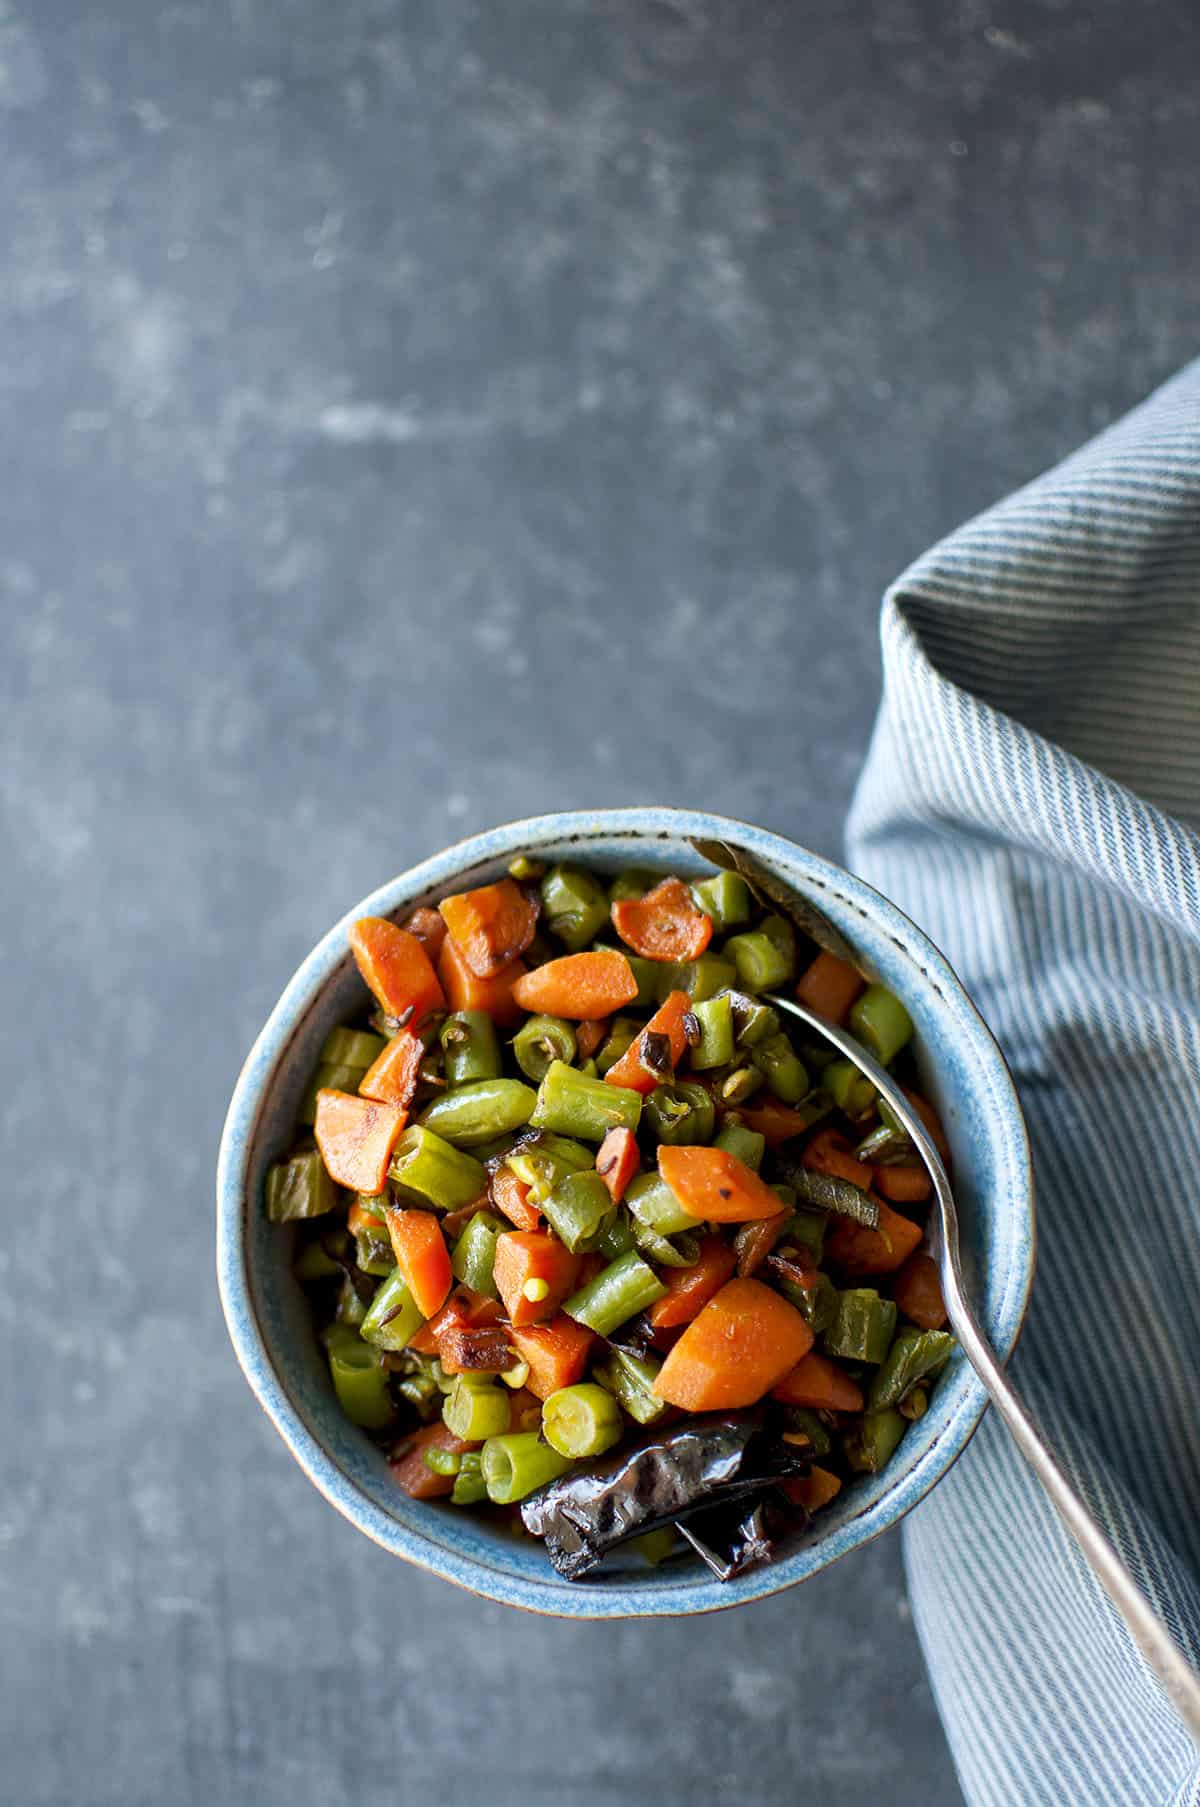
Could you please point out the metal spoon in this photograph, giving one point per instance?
(1145, 1627)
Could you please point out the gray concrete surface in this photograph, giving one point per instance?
(415, 415)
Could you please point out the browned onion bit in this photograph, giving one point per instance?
(654, 1052)
(693, 1034)
(486, 1347)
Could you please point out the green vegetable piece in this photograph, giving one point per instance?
(374, 1202)
(480, 1112)
(808, 1227)
(651, 1201)
(715, 1047)
(915, 1355)
(518, 1464)
(470, 1047)
(914, 1405)
(630, 1379)
(753, 1021)
(622, 1289)
(476, 1408)
(701, 979)
(416, 1383)
(326, 1078)
(580, 1210)
(351, 1306)
(781, 1067)
(683, 1251)
(829, 1192)
(392, 1319)
(808, 1424)
(817, 1304)
(739, 1085)
(850, 1090)
(581, 1421)
(635, 881)
(574, 906)
(495, 1150)
(881, 1023)
(726, 898)
(575, 1105)
(474, 1254)
(523, 869)
(351, 1048)
(746, 1145)
(863, 1326)
(314, 1262)
(870, 1443)
(617, 1238)
(539, 1041)
(541, 1160)
(682, 1112)
(470, 1488)
(373, 1251)
(442, 1461)
(763, 958)
(359, 1378)
(887, 1147)
(620, 1038)
(426, 1163)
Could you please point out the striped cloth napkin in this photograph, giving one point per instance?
(1032, 799)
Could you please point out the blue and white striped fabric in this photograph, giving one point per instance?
(1032, 799)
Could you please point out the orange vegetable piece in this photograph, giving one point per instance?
(829, 986)
(830, 1152)
(428, 928)
(490, 926)
(814, 1489)
(932, 1122)
(421, 1256)
(857, 1250)
(396, 967)
(523, 1255)
(589, 1036)
(740, 1346)
(690, 1288)
(665, 924)
(617, 1161)
(408, 1462)
(917, 1290)
(713, 1184)
(511, 1196)
(463, 1310)
(465, 990)
(579, 986)
(667, 1020)
(904, 1185)
(356, 1137)
(392, 1079)
(821, 1385)
(359, 1220)
(776, 1121)
(557, 1353)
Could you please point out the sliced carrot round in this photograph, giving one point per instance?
(665, 924)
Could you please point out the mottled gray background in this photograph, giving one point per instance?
(415, 415)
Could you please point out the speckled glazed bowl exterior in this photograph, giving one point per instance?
(268, 1317)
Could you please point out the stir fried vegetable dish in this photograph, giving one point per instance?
(593, 1242)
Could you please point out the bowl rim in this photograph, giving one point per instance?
(302, 994)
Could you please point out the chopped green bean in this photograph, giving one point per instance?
(327, 1079)
(915, 1355)
(761, 961)
(580, 1210)
(620, 1038)
(540, 1040)
(850, 1090)
(862, 1329)
(470, 1488)
(617, 1238)
(753, 1021)
(474, 1253)
(574, 906)
(518, 1464)
(425, 1163)
(881, 1023)
(359, 1378)
(808, 1227)
(726, 898)
(680, 1113)
(540, 1160)
(351, 1048)
(870, 1442)
(622, 1289)
(392, 1319)
(701, 979)
(523, 869)
(887, 1147)
(351, 1307)
(715, 1047)
(313, 1263)
(476, 1408)
(746, 1145)
(806, 1423)
(739, 1085)
(470, 1047)
(373, 1251)
(375, 1204)
(914, 1405)
(581, 1421)
(781, 1067)
(652, 1203)
(481, 1111)
(630, 1379)
(496, 1149)
(575, 1105)
(681, 1251)
(817, 1304)
(634, 882)
(416, 1382)
(442, 1461)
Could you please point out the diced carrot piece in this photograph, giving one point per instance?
(465, 990)
(755, 1240)
(821, 1385)
(579, 986)
(392, 1079)
(917, 1290)
(356, 1137)
(589, 1036)
(524, 1410)
(511, 1196)
(814, 1489)
(714, 1185)
(464, 1309)
(690, 1288)
(667, 1020)
(857, 1250)
(740, 1346)
(665, 924)
(428, 928)
(617, 1161)
(830, 1152)
(776, 1121)
(904, 1185)
(829, 986)
(533, 1255)
(421, 1256)
(490, 926)
(557, 1353)
(396, 967)
(408, 1462)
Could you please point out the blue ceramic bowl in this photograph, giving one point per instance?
(268, 1318)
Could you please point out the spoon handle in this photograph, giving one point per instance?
(1151, 1636)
